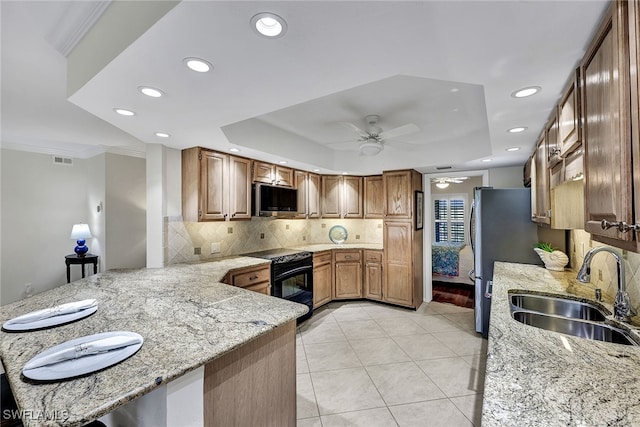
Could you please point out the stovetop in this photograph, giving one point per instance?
(281, 255)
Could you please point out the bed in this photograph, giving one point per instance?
(451, 262)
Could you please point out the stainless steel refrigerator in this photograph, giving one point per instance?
(501, 230)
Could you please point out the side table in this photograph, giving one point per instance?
(82, 260)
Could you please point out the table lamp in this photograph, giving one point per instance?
(80, 232)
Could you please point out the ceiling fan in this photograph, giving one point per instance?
(445, 181)
(372, 141)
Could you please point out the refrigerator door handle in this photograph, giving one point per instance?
(488, 289)
(472, 276)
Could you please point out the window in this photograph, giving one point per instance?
(450, 218)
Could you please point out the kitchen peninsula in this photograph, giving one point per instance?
(189, 320)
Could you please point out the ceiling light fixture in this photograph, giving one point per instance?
(526, 91)
(370, 148)
(512, 149)
(162, 135)
(197, 64)
(442, 184)
(486, 160)
(234, 150)
(316, 170)
(517, 129)
(124, 112)
(150, 91)
(283, 162)
(269, 25)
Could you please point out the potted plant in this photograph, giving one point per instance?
(552, 258)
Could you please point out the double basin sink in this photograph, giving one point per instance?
(567, 316)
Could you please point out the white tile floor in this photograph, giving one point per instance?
(362, 363)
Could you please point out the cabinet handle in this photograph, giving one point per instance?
(232, 215)
(347, 257)
(253, 277)
(225, 215)
(622, 226)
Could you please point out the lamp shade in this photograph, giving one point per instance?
(80, 231)
(370, 148)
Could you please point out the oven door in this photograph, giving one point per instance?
(295, 284)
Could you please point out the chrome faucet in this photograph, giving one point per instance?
(622, 309)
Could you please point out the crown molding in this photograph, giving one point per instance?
(72, 27)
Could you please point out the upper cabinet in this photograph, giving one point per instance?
(540, 199)
(551, 141)
(215, 186)
(373, 196)
(606, 115)
(341, 196)
(308, 186)
(268, 173)
(398, 194)
(569, 127)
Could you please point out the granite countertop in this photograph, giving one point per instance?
(537, 377)
(186, 316)
(329, 246)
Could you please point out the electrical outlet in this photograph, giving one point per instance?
(28, 289)
(229, 230)
(600, 275)
(286, 227)
(357, 237)
(197, 251)
(262, 235)
(304, 238)
(324, 225)
(215, 248)
(379, 225)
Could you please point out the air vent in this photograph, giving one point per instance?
(442, 168)
(66, 161)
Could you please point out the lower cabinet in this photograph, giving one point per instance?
(257, 279)
(373, 274)
(348, 274)
(322, 278)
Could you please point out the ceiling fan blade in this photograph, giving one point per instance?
(351, 141)
(399, 131)
(355, 129)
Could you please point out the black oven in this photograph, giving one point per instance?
(291, 276)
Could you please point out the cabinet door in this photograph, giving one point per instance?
(313, 196)
(373, 197)
(373, 275)
(331, 196)
(239, 188)
(322, 284)
(398, 267)
(634, 38)
(348, 280)
(214, 186)
(300, 179)
(398, 194)
(569, 131)
(551, 141)
(606, 127)
(283, 176)
(542, 206)
(263, 172)
(352, 197)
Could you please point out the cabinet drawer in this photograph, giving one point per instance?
(251, 277)
(372, 256)
(347, 256)
(321, 258)
(261, 288)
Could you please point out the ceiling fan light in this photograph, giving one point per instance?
(442, 184)
(369, 148)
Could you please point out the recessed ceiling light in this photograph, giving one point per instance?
(345, 173)
(454, 90)
(124, 112)
(283, 162)
(162, 135)
(316, 170)
(234, 150)
(152, 92)
(517, 129)
(513, 149)
(486, 160)
(526, 91)
(198, 65)
(269, 25)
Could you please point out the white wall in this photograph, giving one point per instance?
(125, 212)
(40, 203)
(510, 177)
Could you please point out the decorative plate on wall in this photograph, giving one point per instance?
(338, 234)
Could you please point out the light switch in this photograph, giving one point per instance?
(215, 248)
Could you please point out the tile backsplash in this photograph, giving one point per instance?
(182, 239)
(603, 266)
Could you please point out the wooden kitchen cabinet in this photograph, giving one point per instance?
(398, 194)
(569, 128)
(322, 278)
(342, 196)
(215, 186)
(268, 173)
(551, 141)
(606, 114)
(373, 197)
(540, 197)
(372, 274)
(398, 266)
(347, 274)
(257, 279)
(308, 186)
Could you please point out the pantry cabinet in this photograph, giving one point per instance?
(322, 278)
(606, 115)
(215, 186)
(347, 274)
(372, 274)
